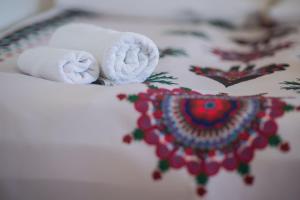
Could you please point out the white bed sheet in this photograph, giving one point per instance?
(60, 141)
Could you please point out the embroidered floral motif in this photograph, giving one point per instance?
(263, 46)
(270, 35)
(172, 52)
(28, 36)
(204, 133)
(162, 78)
(291, 85)
(255, 54)
(159, 77)
(196, 18)
(235, 75)
(193, 33)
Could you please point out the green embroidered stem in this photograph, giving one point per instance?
(291, 85)
(222, 24)
(161, 77)
(152, 87)
(172, 52)
(197, 34)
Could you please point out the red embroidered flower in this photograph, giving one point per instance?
(204, 133)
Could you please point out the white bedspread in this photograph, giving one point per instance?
(61, 141)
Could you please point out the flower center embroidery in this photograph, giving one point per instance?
(193, 119)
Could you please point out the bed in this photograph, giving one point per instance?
(218, 119)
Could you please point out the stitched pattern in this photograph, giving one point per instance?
(36, 33)
(234, 75)
(204, 133)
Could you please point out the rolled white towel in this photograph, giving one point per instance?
(124, 57)
(70, 66)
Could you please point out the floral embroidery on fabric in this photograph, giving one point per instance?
(255, 54)
(162, 78)
(172, 52)
(220, 23)
(204, 133)
(271, 34)
(193, 33)
(291, 85)
(196, 18)
(30, 35)
(156, 77)
(259, 48)
(235, 75)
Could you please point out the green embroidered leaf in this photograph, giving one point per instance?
(243, 168)
(274, 140)
(138, 134)
(291, 85)
(152, 87)
(163, 165)
(222, 24)
(161, 77)
(186, 89)
(197, 34)
(132, 98)
(289, 108)
(172, 52)
(202, 179)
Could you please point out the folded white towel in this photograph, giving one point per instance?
(71, 66)
(124, 57)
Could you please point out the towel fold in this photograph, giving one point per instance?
(70, 66)
(124, 57)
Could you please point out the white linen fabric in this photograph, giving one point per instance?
(72, 153)
(70, 66)
(64, 141)
(123, 57)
